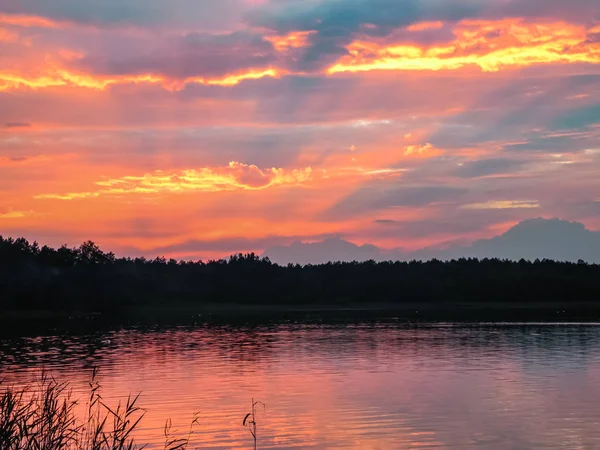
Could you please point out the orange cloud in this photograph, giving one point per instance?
(504, 204)
(235, 176)
(421, 151)
(421, 26)
(58, 77)
(292, 40)
(16, 214)
(8, 36)
(20, 20)
(231, 80)
(489, 45)
(37, 161)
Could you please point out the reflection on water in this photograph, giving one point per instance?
(371, 386)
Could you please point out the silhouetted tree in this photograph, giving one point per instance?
(89, 279)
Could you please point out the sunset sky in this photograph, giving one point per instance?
(196, 128)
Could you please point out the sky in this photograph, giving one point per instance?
(198, 128)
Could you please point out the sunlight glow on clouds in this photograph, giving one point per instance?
(242, 124)
(421, 151)
(21, 20)
(289, 41)
(232, 177)
(60, 77)
(15, 214)
(491, 46)
(504, 204)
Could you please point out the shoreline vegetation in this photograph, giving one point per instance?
(42, 283)
(45, 416)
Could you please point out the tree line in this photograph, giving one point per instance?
(89, 279)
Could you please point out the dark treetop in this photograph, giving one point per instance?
(88, 279)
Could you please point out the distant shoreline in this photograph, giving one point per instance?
(83, 285)
(410, 311)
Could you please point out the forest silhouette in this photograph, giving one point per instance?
(85, 278)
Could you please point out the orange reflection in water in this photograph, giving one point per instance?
(346, 386)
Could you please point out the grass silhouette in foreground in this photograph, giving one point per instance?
(250, 421)
(90, 280)
(43, 417)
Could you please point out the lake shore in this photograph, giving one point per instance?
(186, 313)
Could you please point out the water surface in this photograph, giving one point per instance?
(364, 386)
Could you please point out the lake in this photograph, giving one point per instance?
(383, 385)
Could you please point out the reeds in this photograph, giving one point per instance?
(250, 421)
(44, 417)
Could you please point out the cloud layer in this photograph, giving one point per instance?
(240, 122)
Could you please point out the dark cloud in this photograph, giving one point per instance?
(331, 249)
(426, 37)
(450, 220)
(189, 146)
(540, 238)
(17, 125)
(336, 22)
(141, 227)
(433, 228)
(276, 147)
(485, 167)
(381, 196)
(344, 17)
(286, 88)
(521, 110)
(328, 17)
(87, 11)
(529, 239)
(579, 209)
(145, 13)
(578, 118)
(321, 52)
(553, 144)
(576, 10)
(191, 55)
(304, 98)
(229, 245)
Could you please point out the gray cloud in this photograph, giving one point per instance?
(538, 238)
(551, 144)
(141, 227)
(529, 239)
(576, 10)
(380, 196)
(337, 21)
(87, 11)
(448, 224)
(524, 111)
(450, 221)
(17, 125)
(578, 118)
(342, 17)
(230, 245)
(287, 15)
(146, 13)
(331, 249)
(191, 55)
(485, 167)
(579, 209)
(386, 222)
